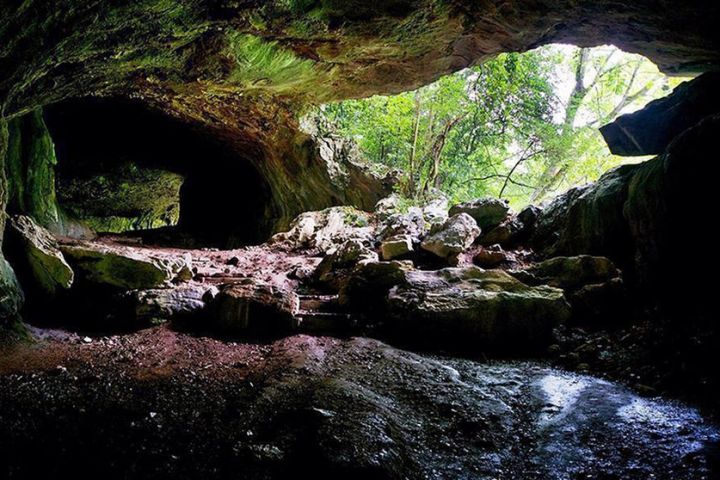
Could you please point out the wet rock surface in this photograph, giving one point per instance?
(159, 404)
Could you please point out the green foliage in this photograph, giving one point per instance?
(521, 126)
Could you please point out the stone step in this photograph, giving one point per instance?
(323, 322)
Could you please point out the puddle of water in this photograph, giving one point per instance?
(684, 424)
(562, 391)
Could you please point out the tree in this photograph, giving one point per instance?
(520, 126)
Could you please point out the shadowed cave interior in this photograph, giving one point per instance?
(221, 200)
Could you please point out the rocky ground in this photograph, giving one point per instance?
(159, 404)
(227, 379)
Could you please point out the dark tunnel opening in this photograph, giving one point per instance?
(123, 166)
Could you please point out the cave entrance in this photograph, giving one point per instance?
(123, 167)
(523, 126)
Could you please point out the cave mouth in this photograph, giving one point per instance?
(524, 127)
(191, 389)
(123, 167)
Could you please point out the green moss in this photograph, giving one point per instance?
(124, 198)
(11, 295)
(261, 64)
(30, 166)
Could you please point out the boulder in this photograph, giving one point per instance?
(528, 216)
(504, 234)
(471, 308)
(411, 223)
(168, 303)
(488, 212)
(126, 267)
(526, 221)
(253, 307)
(490, 257)
(387, 206)
(324, 230)
(397, 246)
(570, 273)
(335, 267)
(650, 130)
(40, 260)
(435, 209)
(369, 283)
(456, 235)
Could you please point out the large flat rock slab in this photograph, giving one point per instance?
(126, 267)
(471, 308)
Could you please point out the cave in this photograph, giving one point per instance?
(101, 138)
(202, 278)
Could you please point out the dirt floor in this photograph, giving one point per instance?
(164, 404)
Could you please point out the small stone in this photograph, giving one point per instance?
(234, 261)
(87, 340)
(396, 247)
(490, 257)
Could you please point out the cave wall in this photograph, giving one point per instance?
(11, 295)
(30, 166)
(653, 219)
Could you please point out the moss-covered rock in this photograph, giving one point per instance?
(39, 255)
(11, 295)
(31, 178)
(124, 267)
(30, 167)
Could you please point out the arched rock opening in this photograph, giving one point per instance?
(223, 198)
